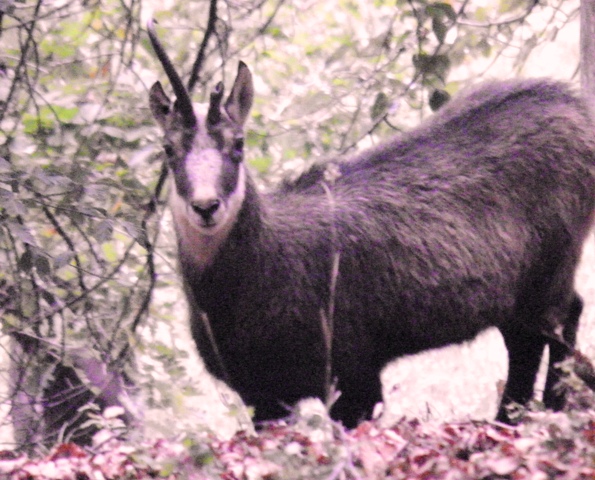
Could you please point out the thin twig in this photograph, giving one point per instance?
(265, 25)
(197, 67)
(54, 221)
(509, 21)
(328, 317)
(150, 210)
(18, 70)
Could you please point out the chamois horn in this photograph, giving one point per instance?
(183, 102)
(214, 113)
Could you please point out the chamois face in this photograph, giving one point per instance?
(205, 156)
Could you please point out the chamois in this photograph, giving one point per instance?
(474, 219)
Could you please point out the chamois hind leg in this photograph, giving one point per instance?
(525, 349)
(553, 394)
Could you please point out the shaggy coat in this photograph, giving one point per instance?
(474, 219)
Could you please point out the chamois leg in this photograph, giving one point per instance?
(525, 349)
(553, 394)
(357, 400)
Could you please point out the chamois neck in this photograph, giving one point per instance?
(250, 220)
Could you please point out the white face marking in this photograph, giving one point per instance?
(196, 240)
(203, 170)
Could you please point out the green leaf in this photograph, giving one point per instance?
(439, 29)
(201, 454)
(506, 6)
(441, 10)
(25, 261)
(254, 138)
(28, 299)
(109, 252)
(131, 229)
(14, 207)
(481, 14)
(72, 30)
(261, 164)
(65, 51)
(380, 106)
(438, 99)
(42, 265)
(22, 233)
(104, 230)
(164, 350)
(167, 468)
(33, 123)
(11, 204)
(484, 47)
(47, 117)
(65, 114)
(275, 32)
(63, 259)
(9, 322)
(431, 64)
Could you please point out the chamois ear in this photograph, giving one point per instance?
(239, 102)
(160, 103)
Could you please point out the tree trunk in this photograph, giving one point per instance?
(588, 46)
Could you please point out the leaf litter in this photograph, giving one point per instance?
(544, 446)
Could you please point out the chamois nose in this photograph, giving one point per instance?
(206, 208)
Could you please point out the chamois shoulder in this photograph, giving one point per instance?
(494, 96)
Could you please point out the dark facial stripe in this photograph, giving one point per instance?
(229, 176)
(176, 162)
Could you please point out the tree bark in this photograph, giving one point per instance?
(587, 52)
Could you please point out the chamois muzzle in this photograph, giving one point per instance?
(206, 209)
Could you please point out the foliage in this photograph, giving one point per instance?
(77, 272)
(79, 155)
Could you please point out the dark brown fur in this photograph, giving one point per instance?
(474, 219)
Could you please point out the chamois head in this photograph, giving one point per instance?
(204, 149)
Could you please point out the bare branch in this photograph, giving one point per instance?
(200, 57)
(509, 21)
